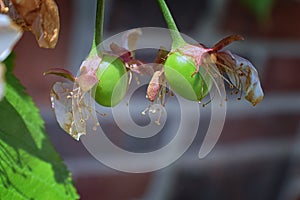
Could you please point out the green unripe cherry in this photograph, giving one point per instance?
(178, 71)
(113, 81)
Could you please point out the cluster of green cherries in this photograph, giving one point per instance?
(190, 70)
(113, 79)
(178, 68)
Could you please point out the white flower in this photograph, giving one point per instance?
(10, 33)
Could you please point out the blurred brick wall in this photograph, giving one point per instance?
(274, 48)
(279, 36)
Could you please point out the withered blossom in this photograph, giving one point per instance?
(155, 85)
(157, 88)
(242, 74)
(41, 17)
(72, 102)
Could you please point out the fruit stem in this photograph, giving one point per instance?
(175, 34)
(98, 36)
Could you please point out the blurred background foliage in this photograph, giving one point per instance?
(261, 8)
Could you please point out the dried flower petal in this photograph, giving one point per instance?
(126, 54)
(41, 17)
(130, 38)
(72, 102)
(243, 76)
(141, 68)
(87, 78)
(226, 41)
(72, 108)
(62, 105)
(60, 72)
(154, 86)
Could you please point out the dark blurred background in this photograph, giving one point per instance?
(258, 154)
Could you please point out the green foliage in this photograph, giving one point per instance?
(261, 8)
(30, 168)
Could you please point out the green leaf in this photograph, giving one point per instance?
(30, 168)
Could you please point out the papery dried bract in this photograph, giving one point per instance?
(41, 17)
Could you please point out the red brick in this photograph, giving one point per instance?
(281, 126)
(113, 187)
(139, 13)
(281, 75)
(283, 22)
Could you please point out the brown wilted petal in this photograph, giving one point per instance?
(130, 38)
(141, 68)
(154, 85)
(226, 41)
(41, 17)
(60, 72)
(244, 76)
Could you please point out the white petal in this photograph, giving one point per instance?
(2, 80)
(91, 63)
(72, 109)
(10, 33)
(87, 78)
(83, 114)
(62, 106)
